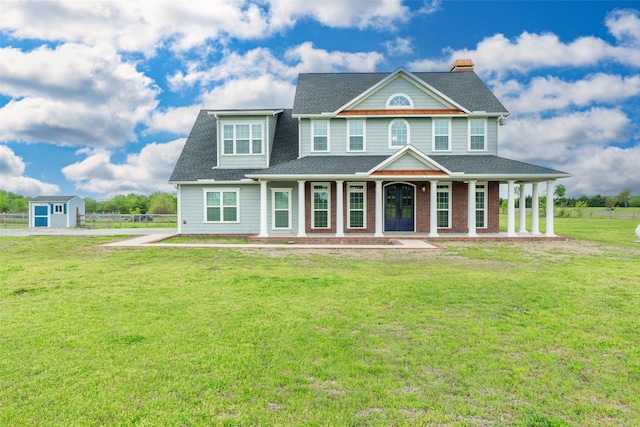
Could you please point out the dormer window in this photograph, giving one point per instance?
(242, 138)
(399, 100)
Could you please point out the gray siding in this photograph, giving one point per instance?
(245, 161)
(192, 210)
(420, 98)
(377, 136)
(459, 135)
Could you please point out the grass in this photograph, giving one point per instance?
(500, 334)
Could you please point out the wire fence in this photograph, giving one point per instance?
(100, 220)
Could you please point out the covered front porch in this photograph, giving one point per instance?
(384, 209)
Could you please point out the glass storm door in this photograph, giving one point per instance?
(398, 212)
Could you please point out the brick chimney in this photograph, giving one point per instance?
(461, 65)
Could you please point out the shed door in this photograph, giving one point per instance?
(41, 216)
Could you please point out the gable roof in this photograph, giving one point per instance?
(54, 199)
(318, 93)
(199, 156)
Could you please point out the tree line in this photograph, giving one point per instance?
(156, 203)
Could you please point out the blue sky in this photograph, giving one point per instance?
(97, 98)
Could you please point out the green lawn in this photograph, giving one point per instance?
(482, 334)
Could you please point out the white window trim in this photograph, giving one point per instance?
(433, 135)
(482, 187)
(394, 147)
(273, 208)
(399, 107)
(364, 136)
(221, 190)
(240, 122)
(313, 210)
(58, 208)
(364, 201)
(439, 189)
(470, 135)
(313, 150)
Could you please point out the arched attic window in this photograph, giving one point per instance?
(399, 100)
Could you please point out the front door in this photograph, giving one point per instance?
(398, 212)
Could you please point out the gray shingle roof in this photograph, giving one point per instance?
(52, 198)
(199, 155)
(327, 92)
(350, 165)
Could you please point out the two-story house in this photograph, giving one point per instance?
(359, 154)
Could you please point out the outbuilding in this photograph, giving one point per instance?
(56, 211)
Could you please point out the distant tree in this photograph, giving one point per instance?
(623, 197)
(162, 203)
(560, 191)
(11, 202)
(609, 202)
(90, 205)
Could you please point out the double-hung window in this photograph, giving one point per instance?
(242, 138)
(320, 135)
(398, 133)
(356, 135)
(441, 134)
(443, 205)
(357, 217)
(481, 206)
(281, 202)
(321, 204)
(477, 134)
(221, 205)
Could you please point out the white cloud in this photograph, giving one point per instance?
(552, 93)
(12, 168)
(498, 55)
(339, 13)
(399, 46)
(146, 25)
(603, 171)
(262, 92)
(259, 62)
(143, 172)
(177, 120)
(624, 25)
(73, 95)
(551, 140)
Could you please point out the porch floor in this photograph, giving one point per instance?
(399, 238)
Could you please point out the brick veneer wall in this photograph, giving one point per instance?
(459, 209)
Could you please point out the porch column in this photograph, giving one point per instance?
(339, 208)
(471, 208)
(433, 209)
(302, 218)
(511, 210)
(379, 212)
(550, 191)
(263, 210)
(523, 211)
(535, 209)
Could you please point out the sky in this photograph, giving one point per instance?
(97, 97)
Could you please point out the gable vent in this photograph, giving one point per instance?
(461, 65)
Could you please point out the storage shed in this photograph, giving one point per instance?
(56, 211)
